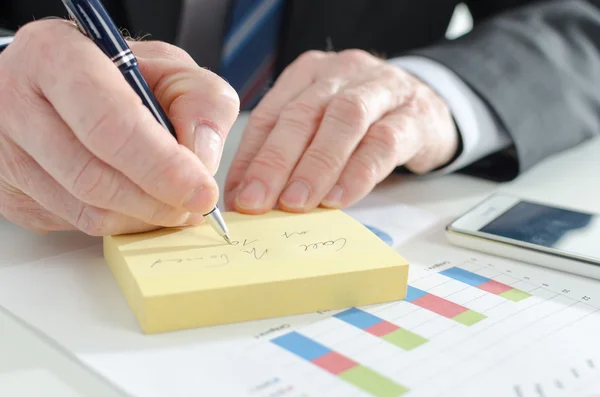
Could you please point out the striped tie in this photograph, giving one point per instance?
(250, 46)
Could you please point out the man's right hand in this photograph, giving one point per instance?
(79, 151)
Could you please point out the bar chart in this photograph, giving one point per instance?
(457, 325)
(389, 332)
(346, 369)
(443, 307)
(485, 284)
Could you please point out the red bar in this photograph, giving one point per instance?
(334, 363)
(382, 328)
(494, 287)
(440, 306)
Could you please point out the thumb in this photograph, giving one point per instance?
(199, 103)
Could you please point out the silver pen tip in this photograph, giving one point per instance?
(226, 237)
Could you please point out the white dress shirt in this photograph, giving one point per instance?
(4, 41)
(479, 132)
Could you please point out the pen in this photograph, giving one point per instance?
(93, 21)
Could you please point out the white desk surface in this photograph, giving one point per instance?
(570, 178)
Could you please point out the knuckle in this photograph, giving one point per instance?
(94, 184)
(355, 56)
(384, 136)
(34, 32)
(272, 158)
(41, 38)
(13, 201)
(311, 56)
(16, 165)
(423, 161)
(30, 210)
(349, 108)
(365, 171)
(163, 49)
(93, 221)
(300, 116)
(98, 125)
(323, 160)
(163, 215)
(426, 102)
(164, 171)
(303, 66)
(419, 103)
(107, 122)
(199, 87)
(227, 96)
(173, 177)
(418, 166)
(24, 213)
(263, 118)
(300, 109)
(389, 72)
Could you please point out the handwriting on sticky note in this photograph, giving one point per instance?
(338, 244)
(278, 264)
(274, 239)
(253, 249)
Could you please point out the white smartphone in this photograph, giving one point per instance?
(536, 233)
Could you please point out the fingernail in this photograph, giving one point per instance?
(199, 200)
(208, 146)
(252, 196)
(295, 195)
(334, 198)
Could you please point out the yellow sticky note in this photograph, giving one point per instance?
(278, 264)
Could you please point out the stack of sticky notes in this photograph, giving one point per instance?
(278, 264)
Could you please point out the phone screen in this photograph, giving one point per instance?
(569, 231)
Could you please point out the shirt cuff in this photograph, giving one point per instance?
(480, 133)
(4, 41)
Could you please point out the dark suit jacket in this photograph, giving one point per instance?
(535, 63)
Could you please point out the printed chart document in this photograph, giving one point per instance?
(469, 326)
(463, 329)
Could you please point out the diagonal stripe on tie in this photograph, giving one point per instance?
(257, 83)
(242, 33)
(248, 55)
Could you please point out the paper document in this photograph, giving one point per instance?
(463, 330)
(469, 327)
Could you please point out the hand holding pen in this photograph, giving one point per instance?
(81, 151)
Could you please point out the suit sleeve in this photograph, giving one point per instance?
(537, 67)
(5, 33)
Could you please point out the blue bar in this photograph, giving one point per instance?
(465, 276)
(301, 346)
(358, 318)
(412, 294)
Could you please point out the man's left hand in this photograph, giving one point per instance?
(332, 127)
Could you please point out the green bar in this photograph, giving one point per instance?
(405, 339)
(515, 295)
(469, 317)
(371, 382)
